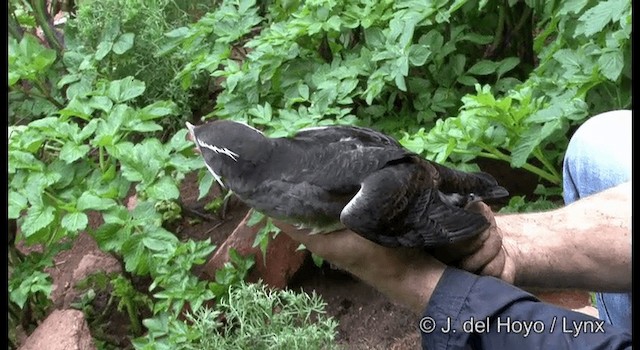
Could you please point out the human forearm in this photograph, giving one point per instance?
(405, 276)
(585, 245)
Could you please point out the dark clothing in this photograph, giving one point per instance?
(481, 312)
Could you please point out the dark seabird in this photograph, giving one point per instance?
(328, 178)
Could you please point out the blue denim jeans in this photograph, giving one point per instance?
(599, 157)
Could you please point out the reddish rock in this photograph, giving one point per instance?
(567, 299)
(96, 261)
(61, 330)
(575, 300)
(282, 259)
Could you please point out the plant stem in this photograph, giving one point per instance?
(133, 317)
(547, 164)
(51, 148)
(56, 200)
(44, 21)
(523, 19)
(45, 92)
(101, 159)
(15, 29)
(551, 177)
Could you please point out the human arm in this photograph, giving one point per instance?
(584, 245)
(453, 299)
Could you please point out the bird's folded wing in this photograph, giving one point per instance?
(396, 207)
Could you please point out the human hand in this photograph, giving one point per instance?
(484, 254)
(407, 276)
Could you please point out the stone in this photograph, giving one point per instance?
(282, 258)
(61, 330)
(96, 261)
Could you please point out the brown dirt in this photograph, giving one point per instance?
(367, 319)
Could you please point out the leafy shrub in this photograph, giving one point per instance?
(125, 36)
(453, 80)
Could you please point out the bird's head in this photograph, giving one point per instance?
(229, 148)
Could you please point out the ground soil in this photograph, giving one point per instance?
(367, 319)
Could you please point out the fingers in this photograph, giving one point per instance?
(490, 259)
(481, 208)
(487, 254)
(342, 248)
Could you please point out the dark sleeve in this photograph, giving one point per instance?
(467, 311)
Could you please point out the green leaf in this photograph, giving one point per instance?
(596, 18)
(77, 107)
(23, 160)
(255, 218)
(303, 90)
(123, 44)
(71, 152)
(38, 217)
(145, 127)
(17, 203)
(570, 6)
(478, 38)
(100, 102)
(157, 110)
(467, 80)
(103, 49)
(418, 54)
(204, 185)
(531, 138)
(75, 221)
(67, 79)
(111, 30)
(111, 236)
(507, 64)
(125, 89)
(164, 189)
(374, 37)
(28, 59)
(87, 131)
(89, 200)
(160, 240)
(37, 282)
(400, 83)
(317, 260)
(611, 64)
(483, 67)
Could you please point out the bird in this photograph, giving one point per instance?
(334, 177)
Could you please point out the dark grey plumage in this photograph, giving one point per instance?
(344, 176)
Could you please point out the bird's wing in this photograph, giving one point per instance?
(342, 133)
(339, 167)
(398, 206)
(480, 183)
(297, 203)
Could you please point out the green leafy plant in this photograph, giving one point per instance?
(453, 81)
(125, 36)
(85, 154)
(267, 232)
(251, 316)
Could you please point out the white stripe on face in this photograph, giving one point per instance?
(225, 151)
(215, 176)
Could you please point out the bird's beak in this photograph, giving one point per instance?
(191, 128)
(191, 136)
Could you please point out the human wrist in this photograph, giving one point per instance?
(419, 283)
